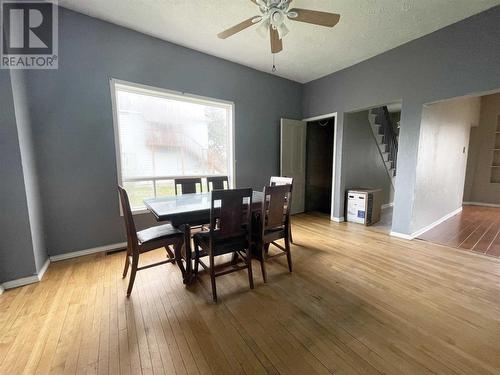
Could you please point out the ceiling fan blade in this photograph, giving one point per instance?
(315, 17)
(237, 28)
(276, 43)
(259, 3)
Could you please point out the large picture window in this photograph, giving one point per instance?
(162, 135)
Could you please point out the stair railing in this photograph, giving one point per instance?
(390, 136)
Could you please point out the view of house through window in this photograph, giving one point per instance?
(162, 136)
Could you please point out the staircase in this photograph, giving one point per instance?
(386, 137)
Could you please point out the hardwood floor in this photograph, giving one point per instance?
(476, 229)
(358, 302)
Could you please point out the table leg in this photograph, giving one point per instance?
(187, 269)
(178, 259)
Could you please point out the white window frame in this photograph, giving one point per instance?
(169, 94)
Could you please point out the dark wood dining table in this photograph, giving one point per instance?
(184, 212)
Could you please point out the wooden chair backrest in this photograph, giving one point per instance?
(217, 183)
(187, 185)
(275, 207)
(129, 220)
(277, 180)
(232, 218)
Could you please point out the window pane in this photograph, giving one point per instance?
(162, 136)
(165, 188)
(137, 192)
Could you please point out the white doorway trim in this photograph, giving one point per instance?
(334, 185)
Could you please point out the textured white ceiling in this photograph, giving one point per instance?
(367, 28)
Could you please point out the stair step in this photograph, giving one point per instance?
(379, 139)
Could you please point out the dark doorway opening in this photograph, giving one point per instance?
(319, 163)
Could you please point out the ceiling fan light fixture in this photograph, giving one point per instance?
(277, 17)
(273, 18)
(263, 28)
(283, 30)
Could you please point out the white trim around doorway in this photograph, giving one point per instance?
(334, 185)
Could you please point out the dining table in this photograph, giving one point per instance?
(185, 212)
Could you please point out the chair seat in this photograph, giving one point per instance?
(221, 246)
(273, 235)
(157, 233)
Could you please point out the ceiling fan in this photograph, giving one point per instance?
(273, 17)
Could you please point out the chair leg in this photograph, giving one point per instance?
(196, 259)
(288, 253)
(135, 264)
(212, 278)
(169, 252)
(249, 265)
(263, 265)
(234, 259)
(290, 234)
(125, 269)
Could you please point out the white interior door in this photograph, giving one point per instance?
(293, 159)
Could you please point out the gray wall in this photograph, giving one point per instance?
(478, 187)
(73, 127)
(442, 158)
(450, 62)
(28, 159)
(16, 252)
(362, 164)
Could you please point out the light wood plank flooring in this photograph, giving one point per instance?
(475, 229)
(358, 302)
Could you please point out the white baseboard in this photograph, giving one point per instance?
(36, 278)
(436, 223)
(387, 205)
(481, 204)
(100, 249)
(401, 235)
(26, 280)
(20, 282)
(1, 290)
(427, 228)
(338, 219)
(43, 269)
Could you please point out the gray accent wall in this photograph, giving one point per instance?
(478, 185)
(363, 165)
(454, 61)
(28, 159)
(16, 248)
(72, 121)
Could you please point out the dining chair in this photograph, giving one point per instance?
(230, 232)
(187, 185)
(145, 240)
(278, 180)
(217, 183)
(275, 224)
